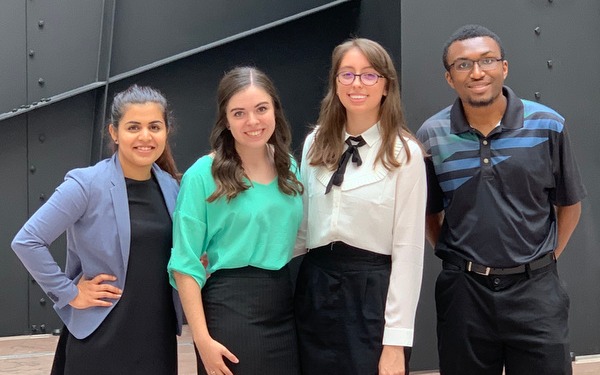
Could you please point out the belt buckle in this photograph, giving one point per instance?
(485, 273)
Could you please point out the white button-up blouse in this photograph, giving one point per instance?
(377, 210)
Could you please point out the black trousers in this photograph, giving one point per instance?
(339, 306)
(487, 323)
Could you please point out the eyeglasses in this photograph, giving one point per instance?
(465, 65)
(367, 79)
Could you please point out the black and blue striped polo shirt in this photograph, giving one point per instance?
(498, 191)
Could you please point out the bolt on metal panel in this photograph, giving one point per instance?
(63, 44)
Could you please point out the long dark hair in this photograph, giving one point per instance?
(227, 169)
(135, 94)
(328, 146)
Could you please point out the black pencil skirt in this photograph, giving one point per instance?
(340, 299)
(250, 311)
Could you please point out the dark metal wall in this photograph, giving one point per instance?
(86, 50)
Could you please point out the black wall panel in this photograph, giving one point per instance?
(147, 31)
(13, 213)
(64, 37)
(298, 67)
(13, 56)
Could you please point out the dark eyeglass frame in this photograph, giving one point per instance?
(491, 66)
(354, 75)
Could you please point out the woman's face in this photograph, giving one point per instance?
(356, 97)
(251, 118)
(141, 137)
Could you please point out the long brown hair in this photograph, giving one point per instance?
(139, 95)
(328, 145)
(227, 169)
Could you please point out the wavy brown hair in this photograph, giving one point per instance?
(328, 145)
(135, 94)
(227, 169)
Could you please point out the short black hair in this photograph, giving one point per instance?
(469, 32)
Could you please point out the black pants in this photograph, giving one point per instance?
(518, 322)
(339, 306)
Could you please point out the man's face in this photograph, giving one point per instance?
(476, 87)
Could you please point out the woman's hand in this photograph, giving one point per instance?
(391, 361)
(93, 292)
(212, 353)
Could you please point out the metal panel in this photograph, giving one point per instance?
(567, 35)
(146, 31)
(298, 67)
(13, 208)
(12, 58)
(59, 139)
(63, 38)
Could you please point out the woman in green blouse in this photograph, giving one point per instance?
(241, 206)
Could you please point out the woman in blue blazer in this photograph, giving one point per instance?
(121, 315)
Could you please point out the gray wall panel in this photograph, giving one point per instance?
(298, 66)
(13, 209)
(568, 36)
(13, 56)
(59, 139)
(65, 38)
(147, 31)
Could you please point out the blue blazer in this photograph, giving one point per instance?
(91, 206)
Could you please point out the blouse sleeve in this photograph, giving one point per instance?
(189, 230)
(407, 250)
(300, 247)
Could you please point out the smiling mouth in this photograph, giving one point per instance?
(144, 148)
(255, 133)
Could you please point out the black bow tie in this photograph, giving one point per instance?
(351, 152)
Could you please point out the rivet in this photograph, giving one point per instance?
(32, 169)
(537, 95)
(549, 63)
(42, 137)
(41, 24)
(31, 53)
(42, 302)
(537, 30)
(34, 103)
(41, 81)
(42, 197)
(14, 109)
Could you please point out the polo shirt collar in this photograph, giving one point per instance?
(512, 119)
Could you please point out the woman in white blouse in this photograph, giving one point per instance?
(359, 282)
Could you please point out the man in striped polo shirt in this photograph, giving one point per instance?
(504, 199)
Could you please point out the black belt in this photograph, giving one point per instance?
(468, 266)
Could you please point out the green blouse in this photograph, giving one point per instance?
(256, 228)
